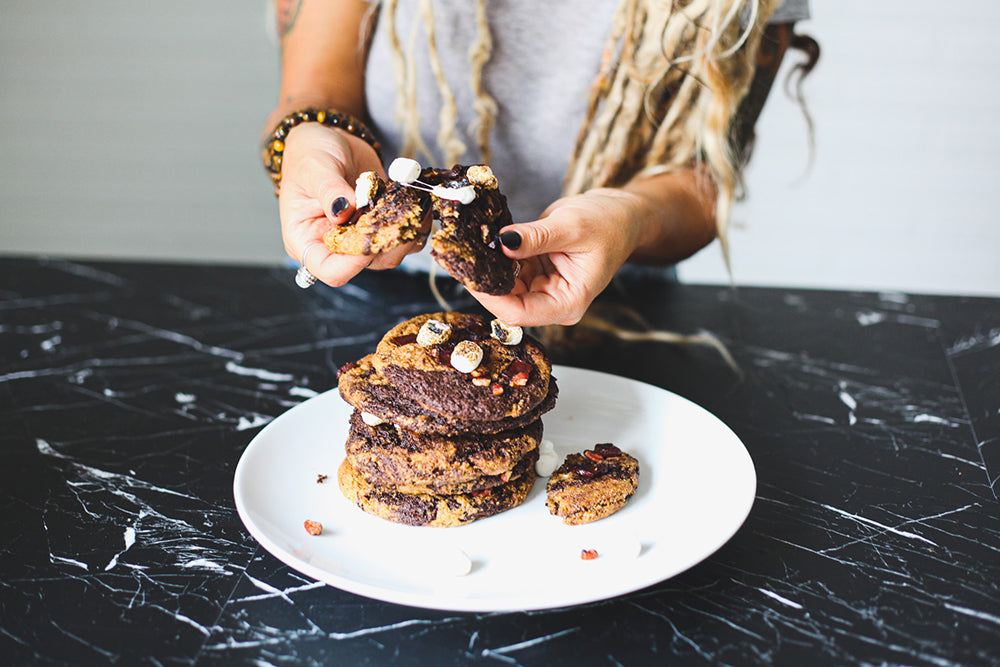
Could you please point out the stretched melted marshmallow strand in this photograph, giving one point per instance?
(463, 195)
(404, 170)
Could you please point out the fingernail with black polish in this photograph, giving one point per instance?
(511, 239)
(339, 204)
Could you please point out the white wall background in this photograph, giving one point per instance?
(904, 190)
(129, 129)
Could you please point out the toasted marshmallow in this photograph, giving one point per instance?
(481, 175)
(464, 195)
(404, 170)
(466, 356)
(506, 334)
(433, 332)
(365, 188)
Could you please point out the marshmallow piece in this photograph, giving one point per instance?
(463, 195)
(404, 170)
(547, 463)
(433, 332)
(371, 419)
(506, 334)
(481, 175)
(466, 356)
(548, 460)
(365, 188)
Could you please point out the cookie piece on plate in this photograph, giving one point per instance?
(467, 242)
(592, 485)
(386, 215)
(428, 509)
(471, 369)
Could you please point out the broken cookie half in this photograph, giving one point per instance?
(467, 240)
(466, 204)
(386, 215)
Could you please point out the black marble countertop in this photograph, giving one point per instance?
(128, 393)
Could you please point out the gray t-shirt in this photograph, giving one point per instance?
(545, 57)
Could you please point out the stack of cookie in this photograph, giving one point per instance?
(446, 425)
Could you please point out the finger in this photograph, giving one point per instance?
(537, 306)
(336, 198)
(333, 269)
(530, 309)
(315, 168)
(529, 239)
(390, 259)
(337, 270)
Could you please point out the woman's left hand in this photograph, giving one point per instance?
(568, 256)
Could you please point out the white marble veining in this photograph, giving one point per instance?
(127, 400)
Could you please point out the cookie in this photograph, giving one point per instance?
(472, 486)
(466, 373)
(393, 215)
(388, 456)
(467, 243)
(592, 485)
(367, 390)
(426, 509)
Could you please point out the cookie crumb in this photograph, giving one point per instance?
(588, 554)
(320, 478)
(313, 527)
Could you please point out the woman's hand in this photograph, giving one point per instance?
(572, 252)
(320, 165)
(567, 257)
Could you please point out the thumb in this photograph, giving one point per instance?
(336, 197)
(528, 239)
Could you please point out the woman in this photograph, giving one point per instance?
(613, 125)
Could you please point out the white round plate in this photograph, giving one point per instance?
(696, 487)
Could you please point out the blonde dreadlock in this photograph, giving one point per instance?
(672, 76)
(406, 108)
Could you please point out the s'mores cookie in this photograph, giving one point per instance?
(467, 242)
(362, 386)
(446, 427)
(385, 455)
(467, 205)
(465, 367)
(386, 216)
(592, 485)
(429, 509)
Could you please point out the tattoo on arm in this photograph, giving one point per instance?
(286, 12)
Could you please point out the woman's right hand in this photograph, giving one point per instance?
(318, 171)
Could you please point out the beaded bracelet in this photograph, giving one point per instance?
(275, 146)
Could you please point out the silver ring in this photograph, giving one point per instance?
(303, 277)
